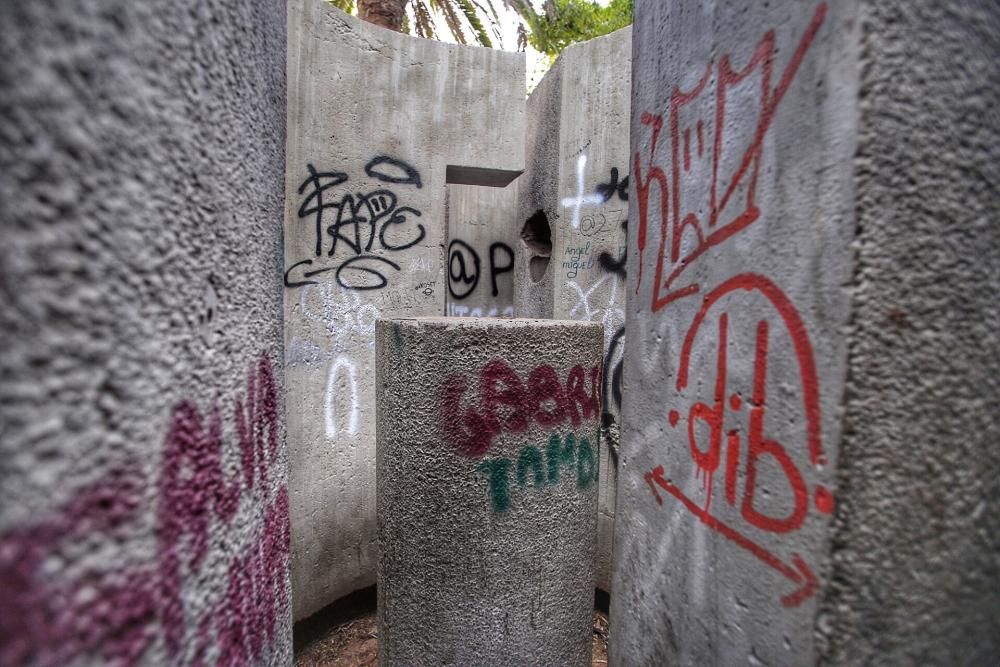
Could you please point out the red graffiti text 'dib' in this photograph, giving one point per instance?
(506, 403)
(707, 456)
(706, 194)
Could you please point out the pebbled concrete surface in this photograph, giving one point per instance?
(916, 539)
(141, 162)
(469, 576)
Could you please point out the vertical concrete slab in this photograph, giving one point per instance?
(917, 528)
(481, 240)
(377, 123)
(589, 235)
(487, 490)
(744, 119)
(143, 494)
(538, 200)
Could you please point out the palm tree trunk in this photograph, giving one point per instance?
(386, 13)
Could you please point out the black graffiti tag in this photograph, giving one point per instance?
(360, 222)
(462, 258)
(464, 267)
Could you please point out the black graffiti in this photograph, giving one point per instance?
(607, 190)
(612, 390)
(405, 173)
(356, 220)
(464, 267)
(458, 250)
(495, 268)
(612, 264)
(316, 180)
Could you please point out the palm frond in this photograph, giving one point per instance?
(422, 19)
(450, 18)
(477, 26)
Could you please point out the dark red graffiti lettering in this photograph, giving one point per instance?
(505, 403)
(115, 615)
(722, 222)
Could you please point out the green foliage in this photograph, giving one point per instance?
(345, 5)
(561, 23)
(565, 22)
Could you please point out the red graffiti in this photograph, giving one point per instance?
(117, 614)
(508, 404)
(684, 199)
(707, 458)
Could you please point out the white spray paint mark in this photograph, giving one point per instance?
(581, 199)
(341, 366)
(610, 316)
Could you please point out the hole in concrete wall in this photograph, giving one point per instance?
(537, 236)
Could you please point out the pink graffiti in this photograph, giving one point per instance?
(117, 614)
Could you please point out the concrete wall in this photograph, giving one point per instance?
(917, 531)
(839, 506)
(481, 238)
(577, 179)
(744, 122)
(378, 122)
(143, 496)
(487, 490)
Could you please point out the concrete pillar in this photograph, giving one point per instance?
(143, 494)
(801, 482)
(378, 123)
(487, 490)
(573, 216)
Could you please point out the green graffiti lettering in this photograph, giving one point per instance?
(497, 471)
(530, 457)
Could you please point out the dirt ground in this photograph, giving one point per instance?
(354, 643)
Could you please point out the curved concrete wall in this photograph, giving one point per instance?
(143, 496)
(378, 123)
(917, 532)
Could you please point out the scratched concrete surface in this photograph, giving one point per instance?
(744, 121)
(143, 499)
(487, 490)
(385, 120)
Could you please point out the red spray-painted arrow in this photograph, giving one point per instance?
(798, 572)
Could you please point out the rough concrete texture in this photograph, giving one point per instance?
(384, 120)
(572, 214)
(588, 238)
(487, 490)
(744, 119)
(538, 199)
(916, 538)
(481, 240)
(143, 500)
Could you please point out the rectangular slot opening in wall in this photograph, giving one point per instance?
(491, 178)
